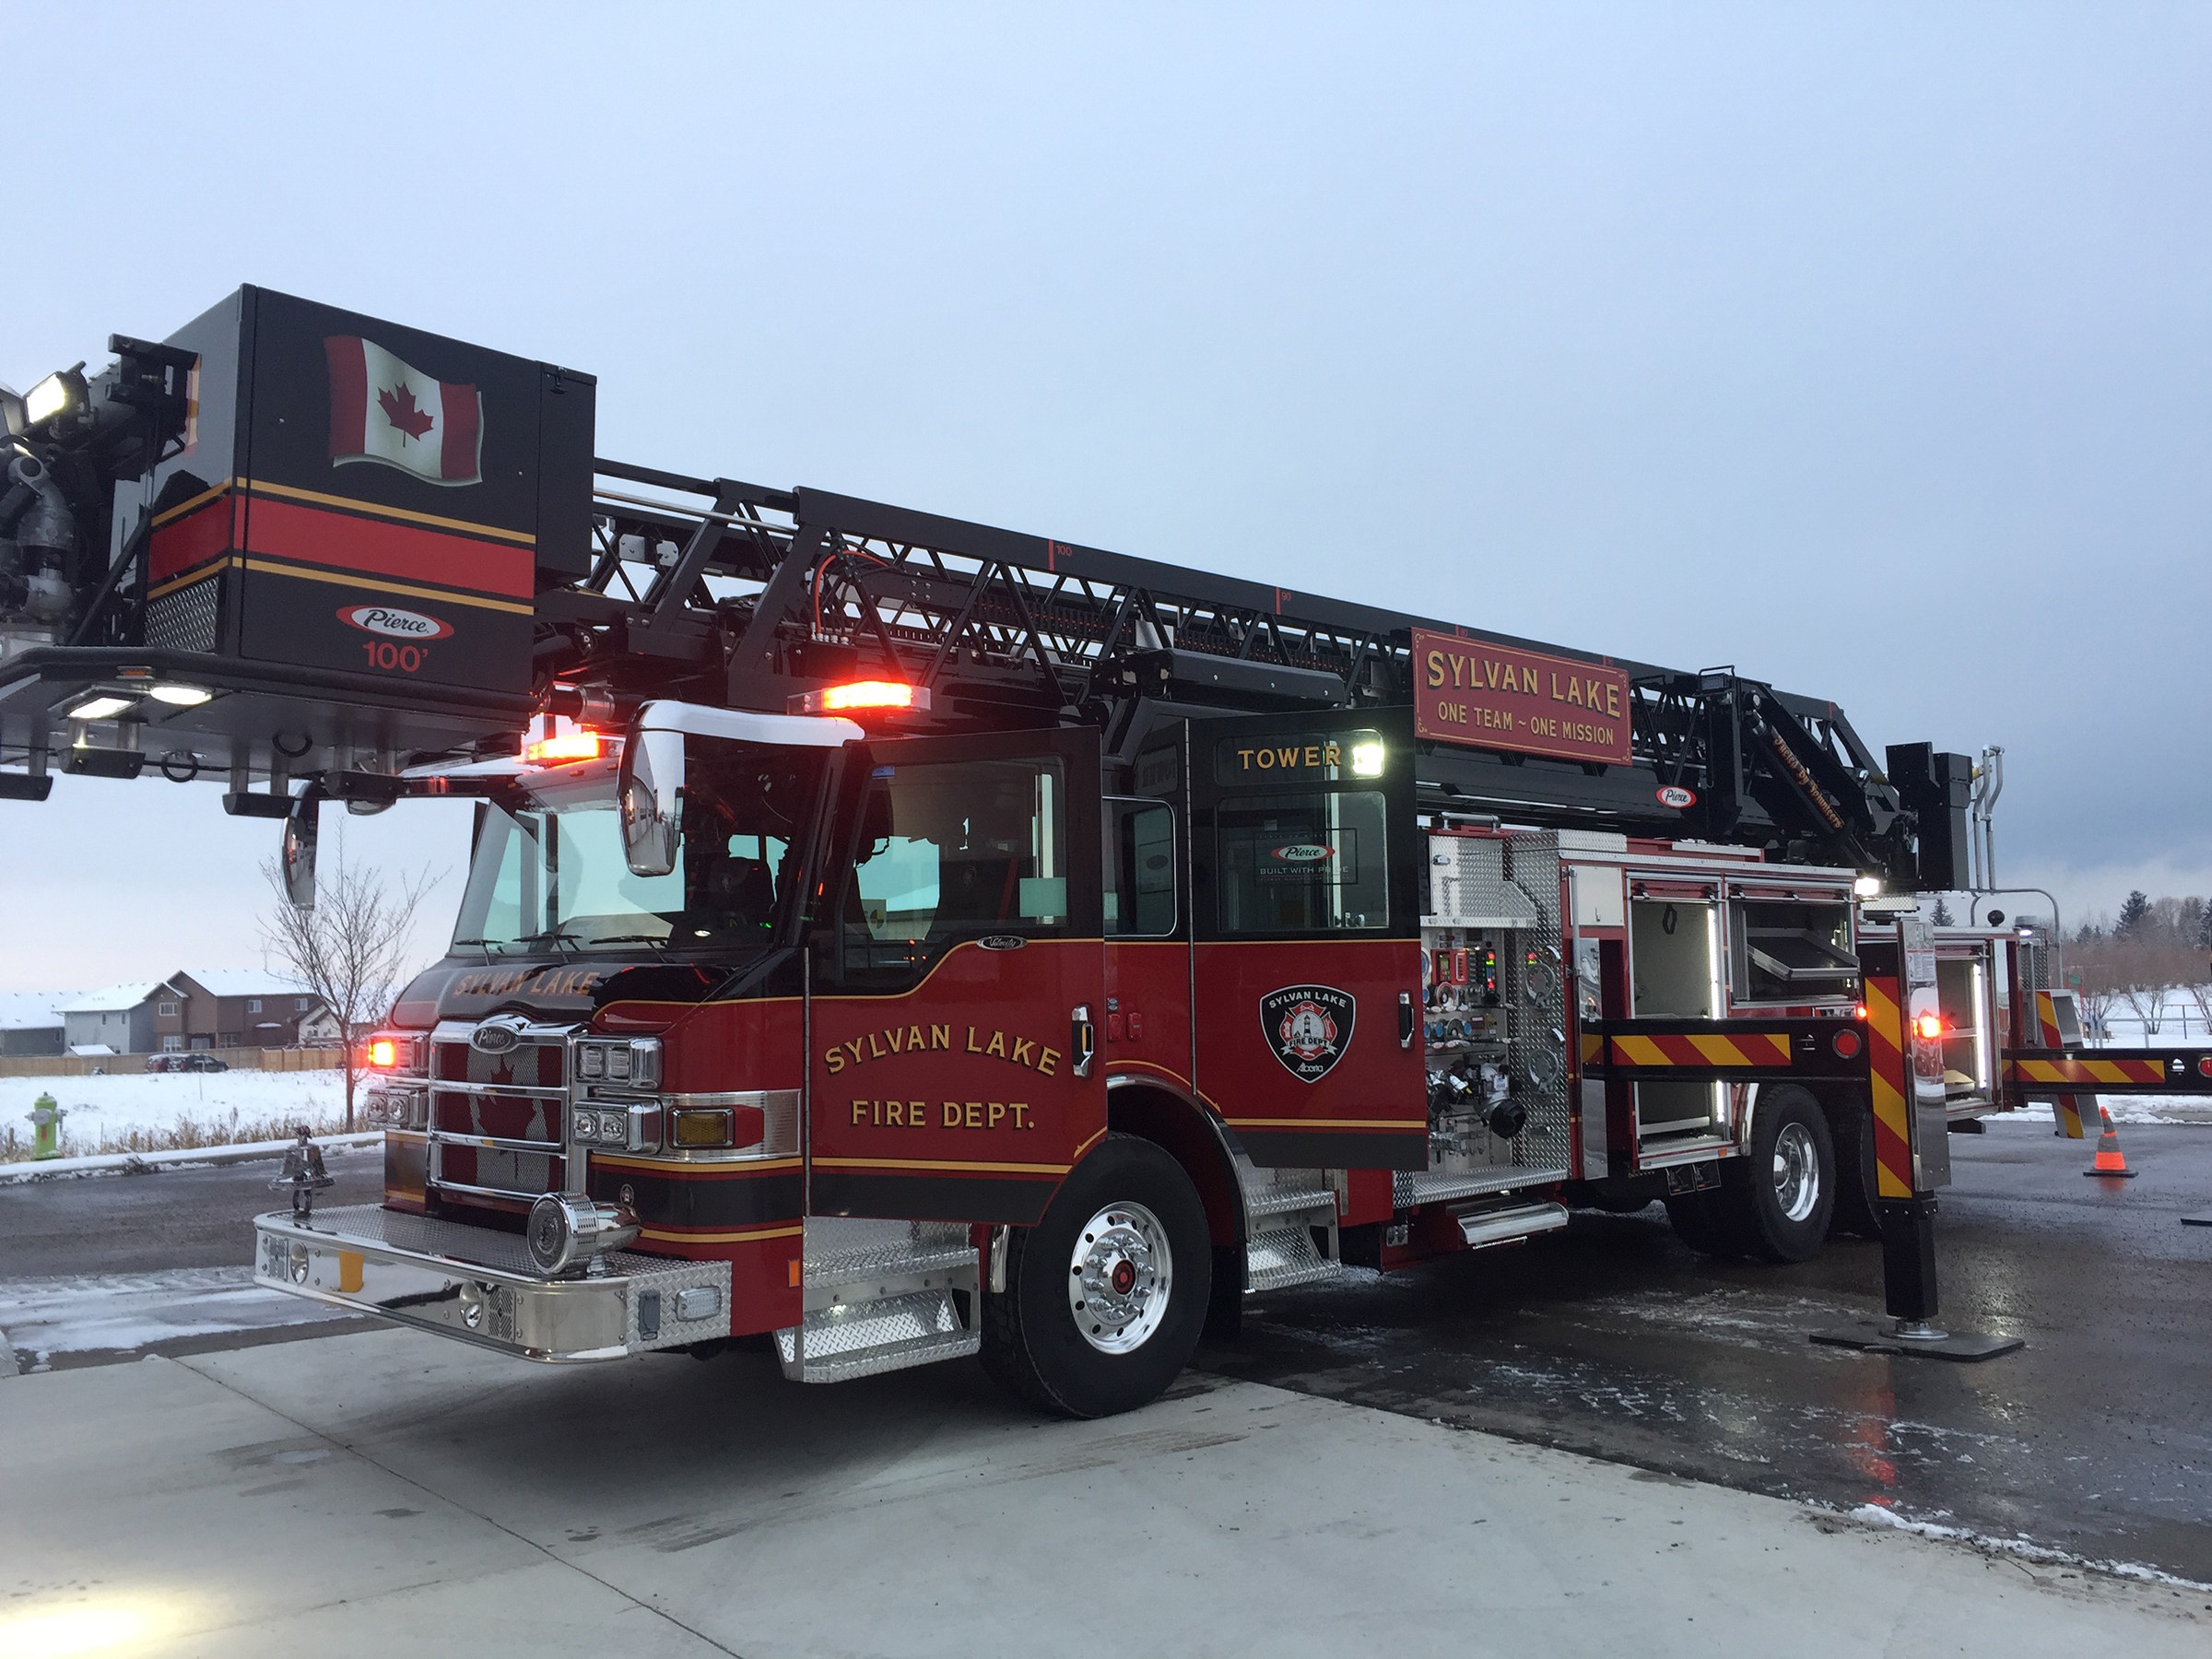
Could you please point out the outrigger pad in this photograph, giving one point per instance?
(1878, 1336)
(2203, 1220)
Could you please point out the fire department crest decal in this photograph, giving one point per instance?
(1309, 1027)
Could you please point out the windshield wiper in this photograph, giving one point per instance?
(482, 944)
(560, 936)
(658, 941)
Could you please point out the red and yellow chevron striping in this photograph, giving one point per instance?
(1755, 1048)
(1892, 1126)
(2067, 1106)
(2043, 1073)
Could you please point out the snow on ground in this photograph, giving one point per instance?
(159, 1109)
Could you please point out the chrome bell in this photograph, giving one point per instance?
(303, 1175)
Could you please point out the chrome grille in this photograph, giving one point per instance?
(499, 1120)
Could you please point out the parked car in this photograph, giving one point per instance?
(203, 1063)
(164, 1063)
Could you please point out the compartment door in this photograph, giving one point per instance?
(1305, 894)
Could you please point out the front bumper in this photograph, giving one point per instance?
(479, 1284)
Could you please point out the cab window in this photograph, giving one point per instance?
(1304, 863)
(950, 851)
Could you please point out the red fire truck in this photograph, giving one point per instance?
(896, 938)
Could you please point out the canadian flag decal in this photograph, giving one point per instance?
(389, 412)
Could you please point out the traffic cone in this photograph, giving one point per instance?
(2108, 1161)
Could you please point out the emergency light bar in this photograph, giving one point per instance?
(563, 749)
(861, 694)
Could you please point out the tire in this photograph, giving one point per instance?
(1129, 1209)
(1852, 1127)
(1780, 1194)
(1698, 1222)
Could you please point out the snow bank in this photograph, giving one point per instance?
(136, 1109)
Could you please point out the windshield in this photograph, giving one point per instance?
(549, 873)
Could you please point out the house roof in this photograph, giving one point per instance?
(244, 982)
(115, 999)
(33, 1010)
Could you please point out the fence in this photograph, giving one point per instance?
(238, 1059)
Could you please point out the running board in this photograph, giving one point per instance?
(881, 1296)
(1508, 1224)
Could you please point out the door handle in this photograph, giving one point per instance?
(1083, 1038)
(1405, 1019)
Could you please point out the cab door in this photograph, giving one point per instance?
(1305, 884)
(956, 980)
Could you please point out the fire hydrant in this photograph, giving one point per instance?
(46, 1127)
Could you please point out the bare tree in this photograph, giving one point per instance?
(351, 949)
(2147, 1001)
(2200, 993)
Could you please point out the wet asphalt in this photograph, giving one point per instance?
(1612, 1340)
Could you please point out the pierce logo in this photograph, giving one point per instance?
(1308, 1027)
(1680, 798)
(395, 623)
(1302, 852)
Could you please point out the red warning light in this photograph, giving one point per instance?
(1846, 1043)
(1928, 1026)
(858, 695)
(563, 749)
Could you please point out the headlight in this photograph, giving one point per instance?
(395, 1107)
(632, 1061)
(628, 1128)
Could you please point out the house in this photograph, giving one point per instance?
(31, 1023)
(232, 1008)
(322, 1029)
(118, 1020)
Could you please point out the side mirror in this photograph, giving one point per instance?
(651, 792)
(301, 827)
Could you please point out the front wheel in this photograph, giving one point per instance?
(1782, 1192)
(1106, 1295)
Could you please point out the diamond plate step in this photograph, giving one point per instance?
(1286, 1201)
(843, 1254)
(861, 1339)
(1285, 1256)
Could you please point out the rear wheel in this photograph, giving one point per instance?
(1780, 1194)
(1106, 1295)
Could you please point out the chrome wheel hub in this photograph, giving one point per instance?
(1118, 1278)
(1796, 1172)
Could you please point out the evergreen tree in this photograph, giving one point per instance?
(2134, 913)
(1943, 910)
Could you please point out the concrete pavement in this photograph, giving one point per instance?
(377, 1492)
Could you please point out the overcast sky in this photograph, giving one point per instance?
(1866, 348)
